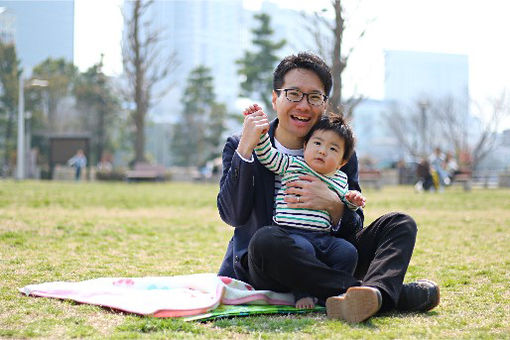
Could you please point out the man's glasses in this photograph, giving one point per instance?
(295, 95)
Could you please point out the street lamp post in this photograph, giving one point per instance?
(424, 104)
(20, 155)
(21, 147)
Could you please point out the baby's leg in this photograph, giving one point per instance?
(338, 253)
(304, 300)
(303, 243)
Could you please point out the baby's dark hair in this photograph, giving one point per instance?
(335, 122)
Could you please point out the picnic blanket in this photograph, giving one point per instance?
(193, 297)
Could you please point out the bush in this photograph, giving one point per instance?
(114, 175)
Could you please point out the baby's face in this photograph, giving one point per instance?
(324, 152)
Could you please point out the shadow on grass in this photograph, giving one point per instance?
(146, 324)
(285, 324)
(395, 314)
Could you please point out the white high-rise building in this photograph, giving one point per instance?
(205, 33)
(7, 21)
(412, 76)
(412, 79)
(214, 34)
(42, 29)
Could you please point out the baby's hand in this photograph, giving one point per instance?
(252, 109)
(355, 197)
(256, 109)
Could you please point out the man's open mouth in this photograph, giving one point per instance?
(301, 118)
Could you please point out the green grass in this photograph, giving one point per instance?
(79, 231)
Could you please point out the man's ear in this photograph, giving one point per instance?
(273, 101)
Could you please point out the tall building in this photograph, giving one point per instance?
(7, 21)
(42, 29)
(201, 33)
(283, 22)
(412, 76)
(374, 140)
(215, 34)
(412, 80)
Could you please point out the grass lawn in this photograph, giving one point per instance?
(78, 231)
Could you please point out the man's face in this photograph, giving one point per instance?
(297, 118)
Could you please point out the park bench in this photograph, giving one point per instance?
(146, 172)
(463, 177)
(370, 178)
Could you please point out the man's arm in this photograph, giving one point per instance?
(352, 221)
(314, 194)
(236, 196)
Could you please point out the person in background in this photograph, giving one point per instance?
(437, 166)
(451, 167)
(78, 161)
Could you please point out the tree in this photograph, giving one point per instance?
(443, 122)
(144, 68)
(478, 139)
(198, 134)
(257, 67)
(330, 46)
(60, 75)
(95, 98)
(411, 128)
(9, 86)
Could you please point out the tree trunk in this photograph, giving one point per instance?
(338, 64)
(140, 110)
(8, 134)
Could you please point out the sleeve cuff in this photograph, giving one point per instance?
(244, 159)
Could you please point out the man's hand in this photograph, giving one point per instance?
(311, 193)
(255, 123)
(356, 198)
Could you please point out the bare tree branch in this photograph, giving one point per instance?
(144, 67)
(451, 125)
(328, 37)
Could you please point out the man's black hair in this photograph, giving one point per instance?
(304, 60)
(335, 122)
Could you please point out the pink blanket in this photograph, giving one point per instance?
(173, 296)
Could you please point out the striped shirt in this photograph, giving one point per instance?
(290, 168)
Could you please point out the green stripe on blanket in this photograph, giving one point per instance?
(226, 311)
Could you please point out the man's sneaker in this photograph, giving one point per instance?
(419, 296)
(356, 305)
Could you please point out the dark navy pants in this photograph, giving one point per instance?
(276, 262)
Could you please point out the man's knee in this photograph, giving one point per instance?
(409, 224)
(403, 223)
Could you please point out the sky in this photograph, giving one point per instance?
(476, 28)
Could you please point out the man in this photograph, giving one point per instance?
(268, 258)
